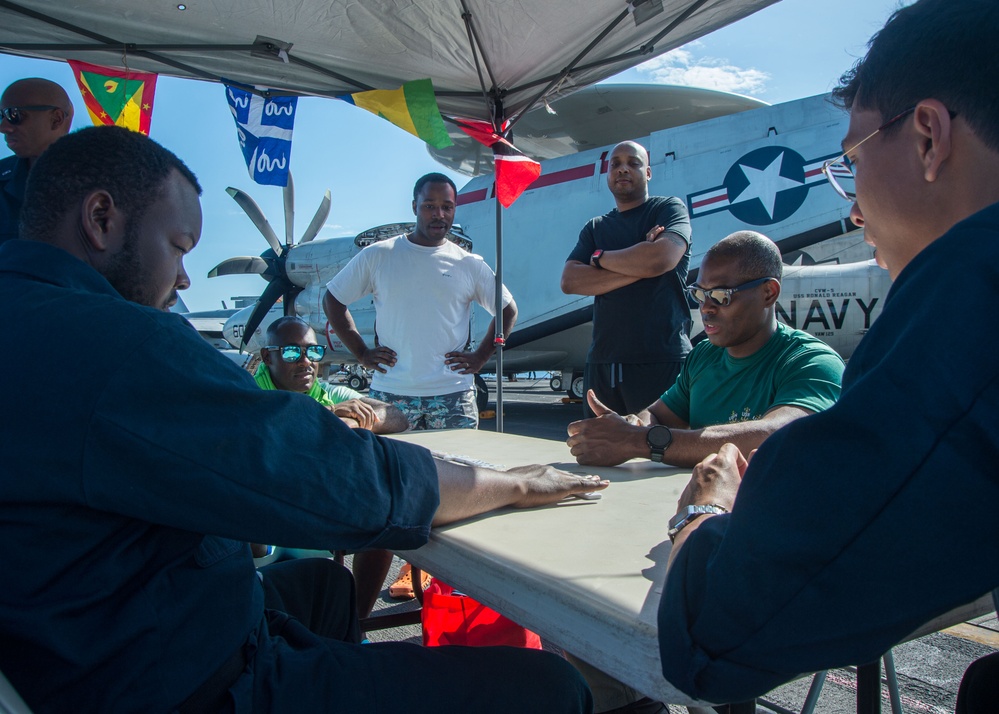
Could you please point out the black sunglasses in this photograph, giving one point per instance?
(722, 296)
(15, 115)
(293, 353)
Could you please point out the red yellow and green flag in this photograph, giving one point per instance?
(115, 96)
(412, 107)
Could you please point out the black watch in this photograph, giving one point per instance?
(659, 438)
(595, 258)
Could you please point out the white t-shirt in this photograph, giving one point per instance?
(423, 304)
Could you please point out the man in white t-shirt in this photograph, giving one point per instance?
(423, 288)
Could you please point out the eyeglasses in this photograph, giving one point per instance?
(293, 353)
(15, 115)
(839, 171)
(721, 296)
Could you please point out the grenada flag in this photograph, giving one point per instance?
(115, 96)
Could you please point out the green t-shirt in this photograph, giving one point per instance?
(793, 369)
(338, 393)
(326, 394)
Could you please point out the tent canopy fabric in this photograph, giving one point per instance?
(522, 48)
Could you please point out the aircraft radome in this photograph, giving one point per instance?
(750, 168)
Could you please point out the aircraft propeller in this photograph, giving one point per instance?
(270, 265)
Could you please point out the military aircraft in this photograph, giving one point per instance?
(751, 166)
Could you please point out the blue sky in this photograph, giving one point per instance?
(790, 50)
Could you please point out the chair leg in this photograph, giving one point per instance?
(892, 678)
(812, 699)
(869, 688)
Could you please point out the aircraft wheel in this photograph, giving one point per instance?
(356, 382)
(576, 389)
(481, 393)
(555, 382)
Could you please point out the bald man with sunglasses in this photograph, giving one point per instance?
(290, 363)
(33, 114)
(751, 376)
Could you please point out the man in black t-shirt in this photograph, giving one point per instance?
(634, 261)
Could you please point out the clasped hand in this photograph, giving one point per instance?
(360, 412)
(716, 479)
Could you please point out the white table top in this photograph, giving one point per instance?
(586, 575)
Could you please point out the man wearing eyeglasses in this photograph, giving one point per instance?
(751, 376)
(852, 528)
(33, 114)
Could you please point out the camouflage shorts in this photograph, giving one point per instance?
(457, 410)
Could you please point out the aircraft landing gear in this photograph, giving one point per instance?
(357, 379)
(576, 390)
(556, 382)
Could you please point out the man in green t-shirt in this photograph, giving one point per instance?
(751, 376)
(289, 363)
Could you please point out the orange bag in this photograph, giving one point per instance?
(456, 619)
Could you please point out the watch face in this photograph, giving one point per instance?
(659, 437)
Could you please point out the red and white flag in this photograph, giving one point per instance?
(514, 171)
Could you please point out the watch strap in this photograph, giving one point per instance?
(657, 451)
(690, 514)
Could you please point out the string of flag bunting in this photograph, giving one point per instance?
(264, 125)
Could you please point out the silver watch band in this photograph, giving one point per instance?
(690, 514)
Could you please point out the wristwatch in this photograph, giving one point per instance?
(688, 515)
(595, 258)
(659, 437)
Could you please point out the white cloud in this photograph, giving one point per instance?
(681, 67)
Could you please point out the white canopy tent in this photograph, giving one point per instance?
(522, 48)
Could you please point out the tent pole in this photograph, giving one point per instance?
(499, 336)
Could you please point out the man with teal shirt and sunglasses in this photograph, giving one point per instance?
(289, 363)
(751, 376)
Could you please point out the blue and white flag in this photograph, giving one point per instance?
(264, 128)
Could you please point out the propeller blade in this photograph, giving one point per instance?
(289, 212)
(274, 290)
(240, 265)
(252, 210)
(319, 219)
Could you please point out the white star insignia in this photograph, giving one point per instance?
(766, 184)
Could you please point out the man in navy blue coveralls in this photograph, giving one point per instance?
(133, 482)
(36, 112)
(855, 526)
